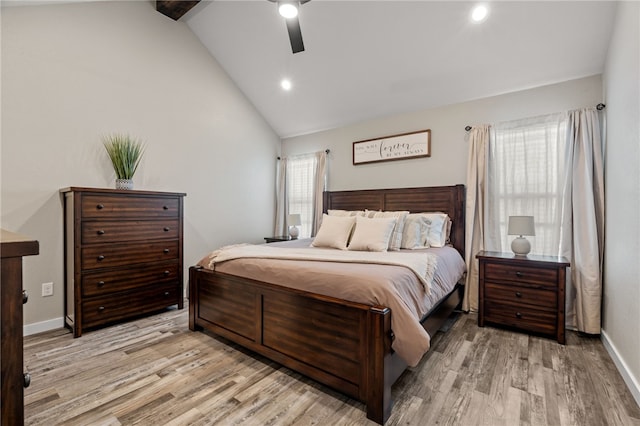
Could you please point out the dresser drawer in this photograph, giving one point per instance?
(112, 255)
(113, 206)
(109, 281)
(534, 320)
(100, 232)
(520, 296)
(103, 310)
(521, 275)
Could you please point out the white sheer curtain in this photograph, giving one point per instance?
(549, 167)
(300, 185)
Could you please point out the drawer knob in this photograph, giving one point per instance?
(100, 308)
(165, 207)
(166, 250)
(100, 258)
(166, 273)
(166, 229)
(518, 294)
(166, 294)
(519, 274)
(100, 283)
(518, 315)
(25, 296)
(27, 380)
(99, 207)
(100, 232)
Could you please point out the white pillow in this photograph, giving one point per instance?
(346, 212)
(334, 231)
(415, 232)
(395, 242)
(372, 234)
(438, 235)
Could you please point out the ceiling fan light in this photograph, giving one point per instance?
(479, 13)
(288, 10)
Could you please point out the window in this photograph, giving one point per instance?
(301, 172)
(526, 177)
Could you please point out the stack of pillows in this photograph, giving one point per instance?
(366, 230)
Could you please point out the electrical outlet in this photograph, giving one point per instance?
(47, 289)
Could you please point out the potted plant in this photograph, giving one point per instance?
(125, 153)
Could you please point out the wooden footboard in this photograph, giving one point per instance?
(341, 344)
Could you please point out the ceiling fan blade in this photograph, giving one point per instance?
(295, 35)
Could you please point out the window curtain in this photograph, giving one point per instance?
(550, 167)
(475, 210)
(300, 185)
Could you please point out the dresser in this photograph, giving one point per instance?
(12, 248)
(523, 292)
(123, 255)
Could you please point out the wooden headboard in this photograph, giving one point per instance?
(446, 199)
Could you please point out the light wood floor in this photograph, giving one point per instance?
(154, 371)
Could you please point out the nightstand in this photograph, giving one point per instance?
(278, 238)
(523, 292)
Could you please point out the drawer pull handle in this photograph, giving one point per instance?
(165, 207)
(518, 315)
(101, 309)
(519, 274)
(25, 296)
(100, 232)
(99, 207)
(166, 229)
(518, 294)
(166, 273)
(100, 283)
(100, 258)
(27, 380)
(166, 250)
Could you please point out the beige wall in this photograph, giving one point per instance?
(621, 304)
(448, 162)
(71, 73)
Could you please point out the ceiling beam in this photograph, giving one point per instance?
(174, 9)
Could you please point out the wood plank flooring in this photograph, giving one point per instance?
(154, 371)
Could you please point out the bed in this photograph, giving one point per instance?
(343, 344)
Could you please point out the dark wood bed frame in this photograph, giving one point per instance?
(344, 345)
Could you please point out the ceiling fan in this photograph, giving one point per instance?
(289, 10)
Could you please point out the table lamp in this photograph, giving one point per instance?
(521, 225)
(293, 222)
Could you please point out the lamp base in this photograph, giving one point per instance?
(521, 246)
(294, 232)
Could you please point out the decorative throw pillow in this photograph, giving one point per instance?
(395, 242)
(415, 232)
(438, 230)
(346, 212)
(334, 231)
(372, 234)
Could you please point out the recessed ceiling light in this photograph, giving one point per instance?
(288, 10)
(285, 84)
(479, 13)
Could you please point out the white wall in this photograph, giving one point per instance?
(71, 73)
(448, 162)
(621, 301)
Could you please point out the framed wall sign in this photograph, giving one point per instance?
(394, 147)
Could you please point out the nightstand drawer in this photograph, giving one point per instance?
(533, 320)
(521, 275)
(100, 232)
(520, 296)
(118, 207)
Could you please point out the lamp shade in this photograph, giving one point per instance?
(521, 225)
(294, 220)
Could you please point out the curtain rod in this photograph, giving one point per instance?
(326, 150)
(599, 107)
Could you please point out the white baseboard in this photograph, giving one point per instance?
(40, 327)
(629, 379)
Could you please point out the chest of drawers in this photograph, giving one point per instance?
(523, 292)
(123, 255)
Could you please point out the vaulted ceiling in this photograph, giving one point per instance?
(369, 59)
